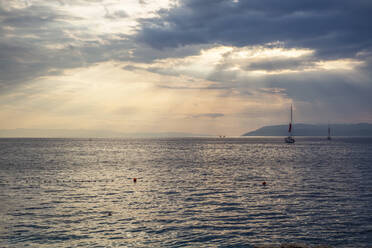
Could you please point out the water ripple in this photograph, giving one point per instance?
(195, 192)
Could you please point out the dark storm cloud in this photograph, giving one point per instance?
(333, 28)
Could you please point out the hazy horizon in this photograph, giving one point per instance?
(104, 133)
(220, 67)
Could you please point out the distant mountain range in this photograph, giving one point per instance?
(81, 133)
(361, 129)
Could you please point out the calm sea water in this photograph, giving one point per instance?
(190, 192)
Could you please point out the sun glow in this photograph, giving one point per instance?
(256, 61)
(267, 52)
(106, 96)
(341, 64)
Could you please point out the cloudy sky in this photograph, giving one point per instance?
(219, 67)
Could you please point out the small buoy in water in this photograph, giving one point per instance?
(263, 183)
(134, 180)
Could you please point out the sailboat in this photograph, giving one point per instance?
(290, 138)
(329, 133)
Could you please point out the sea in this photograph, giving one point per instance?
(185, 192)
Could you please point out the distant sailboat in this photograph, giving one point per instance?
(290, 138)
(329, 133)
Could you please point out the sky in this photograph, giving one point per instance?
(219, 67)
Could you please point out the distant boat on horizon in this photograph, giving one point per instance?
(290, 138)
(329, 133)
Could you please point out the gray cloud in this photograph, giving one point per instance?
(209, 115)
(341, 92)
(333, 28)
(279, 64)
(41, 40)
(147, 54)
(78, 2)
(116, 14)
(131, 68)
(170, 87)
(38, 40)
(320, 96)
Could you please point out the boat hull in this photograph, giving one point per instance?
(289, 140)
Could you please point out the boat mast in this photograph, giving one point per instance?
(290, 138)
(291, 120)
(329, 131)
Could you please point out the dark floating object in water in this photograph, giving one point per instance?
(263, 183)
(134, 180)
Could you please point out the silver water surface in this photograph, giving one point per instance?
(190, 192)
